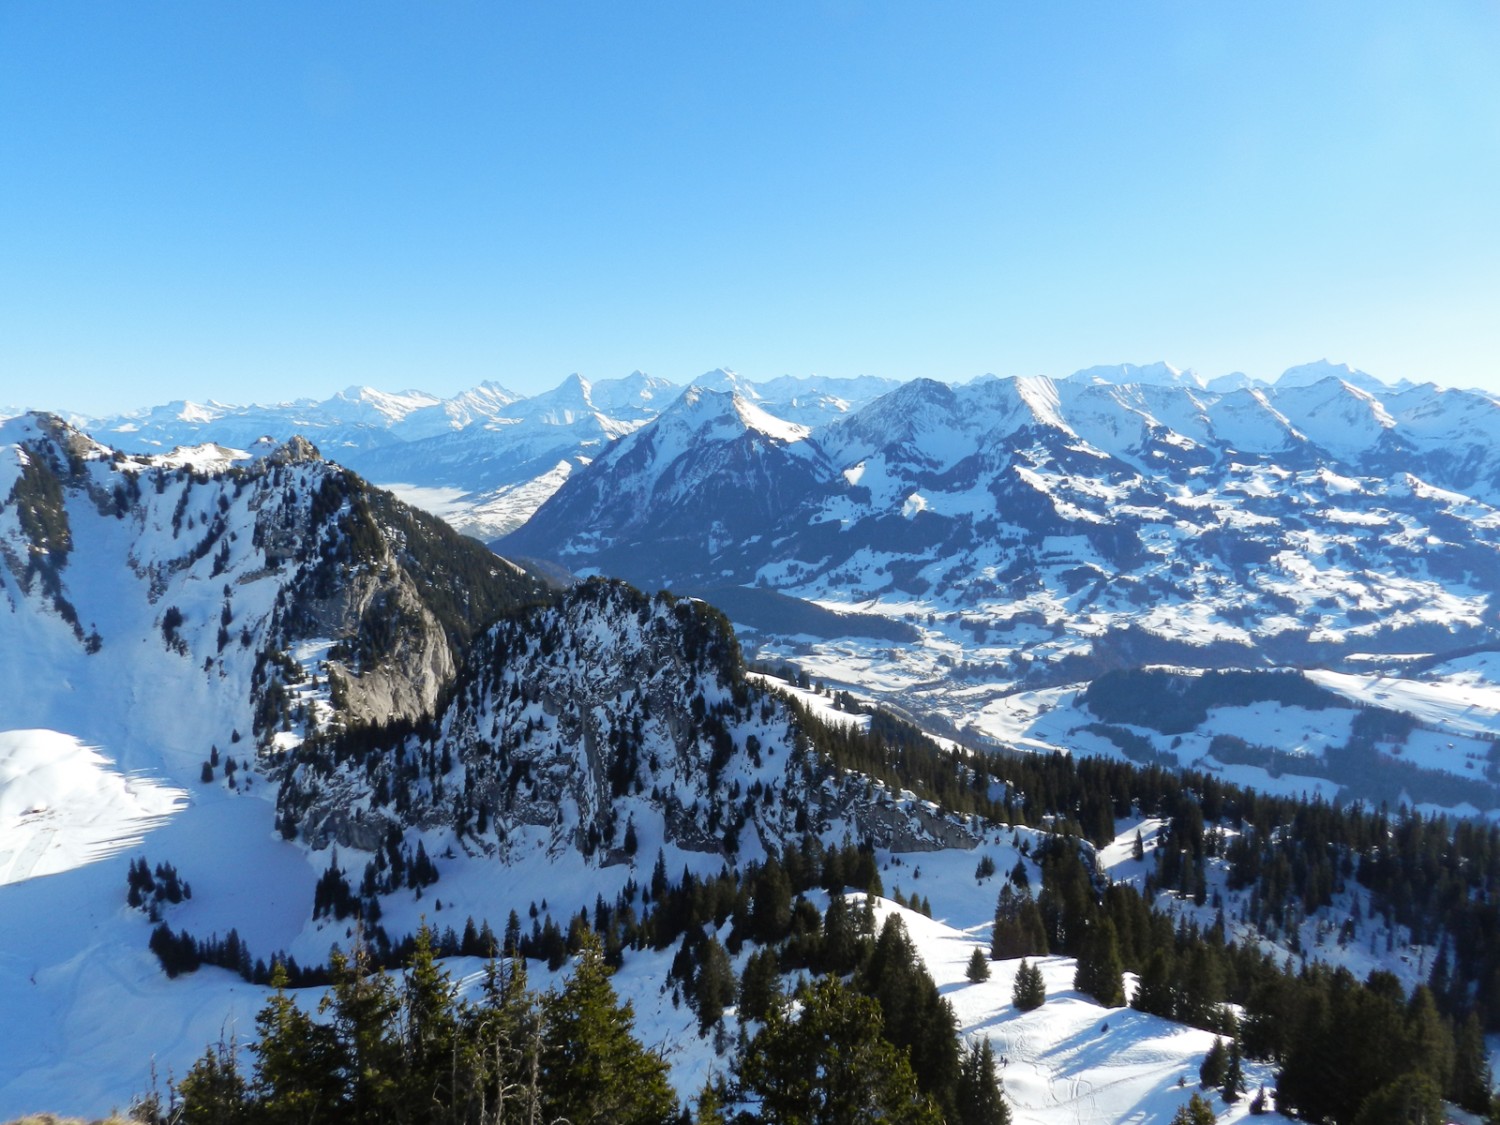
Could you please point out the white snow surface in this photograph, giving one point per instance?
(63, 804)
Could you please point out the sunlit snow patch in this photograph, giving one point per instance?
(63, 804)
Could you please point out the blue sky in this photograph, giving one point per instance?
(262, 201)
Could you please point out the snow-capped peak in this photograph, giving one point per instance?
(1307, 374)
(393, 407)
(724, 379)
(728, 413)
(1161, 374)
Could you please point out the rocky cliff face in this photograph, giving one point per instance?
(282, 587)
(606, 722)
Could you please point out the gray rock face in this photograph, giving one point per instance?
(607, 711)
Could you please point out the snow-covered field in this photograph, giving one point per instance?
(89, 1011)
(62, 804)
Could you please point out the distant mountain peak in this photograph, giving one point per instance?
(1159, 374)
(1307, 374)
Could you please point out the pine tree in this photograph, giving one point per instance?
(214, 1092)
(1099, 972)
(295, 1079)
(1029, 991)
(1234, 1074)
(1197, 1111)
(1215, 1065)
(593, 1070)
(979, 967)
(830, 1064)
(760, 985)
(713, 987)
(978, 1099)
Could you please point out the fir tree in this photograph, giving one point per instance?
(294, 1061)
(713, 987)
(1019, 930)
(593, 1071)
(1156, 991)
(979, 967)
(364, 1010)
(1234, 1074)
(1099, 972)
(1029, 991)
(830, 1064)
(431, 1024)
(760, 985)
(916, 1017)
(505, 1031)
(1411, 1099)
(1197, 1111)
(214, 1091)
(978, 1099)
(1471, 1067)
(1215, 1065)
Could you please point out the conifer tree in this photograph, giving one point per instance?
(830, 1064)
(435, 1059)
(1411, 1099)
(214, 1092)
(1215, 1065)
(1197, 1111)
(710, 1109)
(1234, 1074)
(979, 967)
(1430, 1043)
(1019, 930)
(367, 1052)
(713, 987)
(1471, 1067)
(1099, 972)
(978, 1099)
(840, 939)
(1029, 991)
(1156, 992)
(916, 1017)
(760, 985)
(505, 1030)
(593, 1071)
(294, 1061)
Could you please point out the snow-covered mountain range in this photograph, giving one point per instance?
(972, 552)
(1029, 534)
(310, 698)
(486, 458)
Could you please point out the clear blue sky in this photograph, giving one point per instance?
(256, 201)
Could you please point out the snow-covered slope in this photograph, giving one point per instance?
(62, 805)
(707, 474)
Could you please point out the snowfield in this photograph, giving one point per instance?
(63, 804)
(89, 1011)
